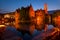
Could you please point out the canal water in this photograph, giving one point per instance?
(11, 33)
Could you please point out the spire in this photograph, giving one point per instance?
(18, 10)
(30, 5)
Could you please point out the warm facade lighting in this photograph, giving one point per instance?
(57, 20)
(16, 20)
(6, 16)
(39, 20)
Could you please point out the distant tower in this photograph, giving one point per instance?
(45, 8)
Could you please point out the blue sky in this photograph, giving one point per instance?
(12, 5)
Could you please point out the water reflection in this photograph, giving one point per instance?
(30, 28)
(27, 31)
(27, 28)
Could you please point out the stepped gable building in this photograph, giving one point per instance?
(40, 17)
(27, 12)
(31, 11)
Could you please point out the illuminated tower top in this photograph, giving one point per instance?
(45, 8)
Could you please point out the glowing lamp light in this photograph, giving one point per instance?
(2, 26)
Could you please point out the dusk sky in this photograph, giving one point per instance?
(12, 5)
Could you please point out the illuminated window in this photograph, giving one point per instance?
(7, 23)
(7, 16)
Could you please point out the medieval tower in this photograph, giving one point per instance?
(45, 8)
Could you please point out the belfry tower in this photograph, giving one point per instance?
(45, 8)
